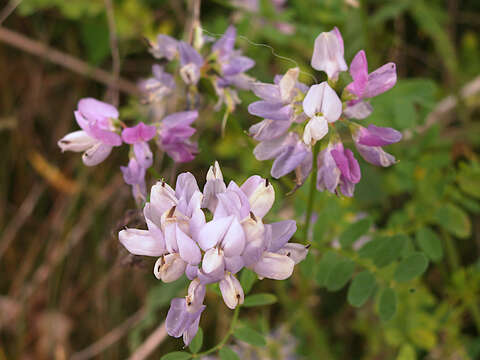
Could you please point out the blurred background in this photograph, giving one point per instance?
(68, 290)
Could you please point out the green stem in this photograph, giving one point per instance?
(451, 250)
(225, 338)
(312, 191)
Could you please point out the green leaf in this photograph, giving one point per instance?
(361, 288)
(339, 274)
(387, 304)
(407, 352)
(454, 220)
(259, 300)
(197, 341)
(177, 355)
(228, 354)
(411, 267)
(430, 243)
(247, 279)
(354, 231)
(250, 336)
(329, 259)
(384, 250)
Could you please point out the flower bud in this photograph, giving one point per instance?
(76, 141)
(260, 193)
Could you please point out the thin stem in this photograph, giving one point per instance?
(225, 338)
(312, 192)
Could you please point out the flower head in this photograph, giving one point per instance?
(212, 251)
(98, 135)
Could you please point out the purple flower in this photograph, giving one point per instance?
(161, 85)
(288, 151)
(328, 54)
(369, 141)
(214, 251)
(337, 166)
(98, 136)
(134, 175)
(322, 106)
(181, 321)
(367, 85)
(232, 63)
(138, 136)
(191, 62)
(164, 47)
(175, 131)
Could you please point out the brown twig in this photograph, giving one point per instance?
(444, 107)
(152, 342)
(77, 233)
(110, 338)
(21, 216)
(22, 42)
(8, 10)
(114, 50)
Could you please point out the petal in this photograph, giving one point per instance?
(270, 149)
(225, 44)
(381, 80)
(77, 141)
(181, 118)
(288, 85)
(315, 129)
(375, 155)
(379, 136)
(312, 103)
(189, 55)
(143, 154)
(186, 186)
(359, 72)
(358, 110)
(95, 109)
(213, 232)
(234, 241)
(234, 264)
(268, 92)
(187, 248)
(162, 197)
(328, 54)
(213, 261)
(289, 159)
(232, 291)
(172, 269)
(177, 317)
(96, 154)
(269, 110)
(282, 231)
(296, 252)
(331, 104)
(191, 271)
(269, 129)
(140, 242)
(236, 65)
(261, 195)
(195, 296)
(274, 266)
(253, 251)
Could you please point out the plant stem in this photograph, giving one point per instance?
(225, 338)
(312, 192)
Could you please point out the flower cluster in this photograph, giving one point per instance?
(212, 251)
(102, 130)
(296, 117)
(223, 66)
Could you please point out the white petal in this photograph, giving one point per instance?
(96, 154)
(139, 242)
(77, 141)
(315, 129)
